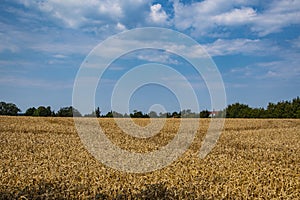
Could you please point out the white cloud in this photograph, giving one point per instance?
(49, 40)
(121, 27)
(60, 56)
(296, 42)
(157, 57)
(91, 13)
(272, 74)
(82, 46)
(236, 46)
(236, 16)
(7, 42)
(157, 14)
(287, 68)
(202, 16)
(36, 83)
(207, 16)
(111, 8)
(7, 45)
(280, 14)
(186, 50)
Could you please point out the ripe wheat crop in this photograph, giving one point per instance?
(43, 158)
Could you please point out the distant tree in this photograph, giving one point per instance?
(188, 114)
(153, 114)
(257, 113)
(185, 113)
(30, 111)
(68, 112)
(284, 109)
(204, 114)
(97, 112)
(176, 114)
(49, 111)
(75, 112)
(114, 114)
(221, 114)
(90, 115)
(296, 107)
(117, 114)
(138, 114)
(165, 115)
(42, 111)
(8, 109)
(238, 110)
(109, 114)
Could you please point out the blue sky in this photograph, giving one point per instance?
(255, 45)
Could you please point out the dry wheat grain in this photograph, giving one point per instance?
(44, 158)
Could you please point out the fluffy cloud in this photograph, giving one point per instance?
(236, 46)
(278, 15)
(203, 18)
(108, 17)
(155, 56)
(157, 14)
(206, 16)
(236, 16)
(121, 27)
(296, 43)
(92, 13)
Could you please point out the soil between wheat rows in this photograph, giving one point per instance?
(44, 158)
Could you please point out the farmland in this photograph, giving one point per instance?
(254, 158)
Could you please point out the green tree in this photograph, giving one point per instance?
(42, 111)
(8, 109)
(97, 112)
(257, 113)
(153, 114)
(284, 109)
(238, 110)
(176, 114)
(30, 111)
(204, 114)
(221, 114)
(296, 107)
(68, 112)
(165, 115)
(109, 114)
(138, 114)
(188, 114)
(115, 114)
(185, 113)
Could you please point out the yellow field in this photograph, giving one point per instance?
(44, 158)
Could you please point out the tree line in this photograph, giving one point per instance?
(282, 109)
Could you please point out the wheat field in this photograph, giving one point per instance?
(43, 158)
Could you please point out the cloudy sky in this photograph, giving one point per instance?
(255, 45)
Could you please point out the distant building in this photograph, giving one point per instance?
(213, 113)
